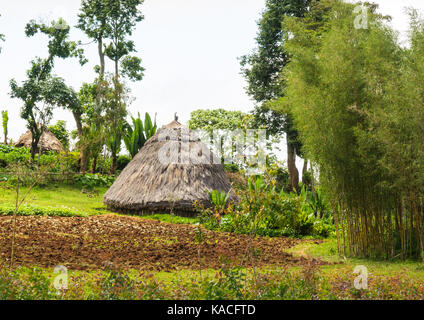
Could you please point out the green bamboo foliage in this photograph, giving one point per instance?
(136, 136)
(358, 101)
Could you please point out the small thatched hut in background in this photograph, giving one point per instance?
(48, 142)
(149, 185)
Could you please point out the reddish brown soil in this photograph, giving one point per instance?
(90, 243)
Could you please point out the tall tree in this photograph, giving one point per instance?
(122, 19)
(5, 120)
(92, 139)
(113, 21)
(115, 100)
(41, 92)
(92, 21)
(264, 68)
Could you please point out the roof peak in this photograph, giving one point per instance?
(174, 124)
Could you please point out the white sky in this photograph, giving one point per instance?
(189, 49)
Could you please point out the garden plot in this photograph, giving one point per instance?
(90, 243)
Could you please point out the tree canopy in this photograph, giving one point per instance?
(42, 91)
(264, 71)
(210, 120)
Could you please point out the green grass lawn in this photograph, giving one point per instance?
(71, 197)
(328, 251)
(58, 196)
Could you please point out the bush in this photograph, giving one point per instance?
(34, 285)
(10, 155)
(31, 210)
(232, 167)
(322, 228)
(263, 210)
(122, 162)
(104, 165)
(69, 161)
(62, 162)
(90, 181)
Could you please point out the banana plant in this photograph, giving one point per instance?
(136, 136)
(219, 199)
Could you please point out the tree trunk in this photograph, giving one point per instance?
(83, 153)
(305, 167)
(36, 136)
(94, 165)
(291, 165)
(114, 164)
(101, 56)
(117, 70)
(33, 150)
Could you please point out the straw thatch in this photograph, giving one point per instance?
(48, 142)
(148, 185)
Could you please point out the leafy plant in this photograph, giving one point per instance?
(122, 162)
(90, 181)
(219, 199)
(5, 120)
(60, 132)
(136, 136)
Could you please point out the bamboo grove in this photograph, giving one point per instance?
(357, 96)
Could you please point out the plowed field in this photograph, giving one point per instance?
(82, 243)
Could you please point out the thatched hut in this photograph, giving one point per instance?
(172, 171)
(48, 142)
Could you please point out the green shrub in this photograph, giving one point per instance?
(122, 162)
(90, 181)
(32, 210)
(69, 161)
(33, 285)
(232, 167)
(322, 228)
(11, 154)
(264, 211)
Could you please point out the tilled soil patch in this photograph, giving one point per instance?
(130, 242)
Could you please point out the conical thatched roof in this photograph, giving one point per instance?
(48, 141)
(150, 184)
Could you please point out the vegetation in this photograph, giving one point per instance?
(135, 137)
(230, 282)
(354, 81)
(60, 132)
(262, 210)
(349, 101)
(218, 119)
(264, 68)
(41, 86)
(5, 120)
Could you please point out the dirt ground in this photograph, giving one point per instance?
(130, 242)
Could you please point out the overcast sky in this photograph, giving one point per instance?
(189, 49)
